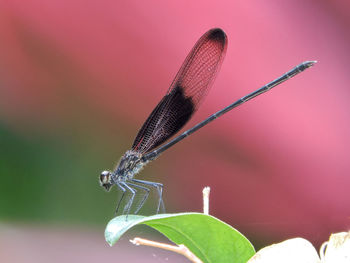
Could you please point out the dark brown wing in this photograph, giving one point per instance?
(189, 87)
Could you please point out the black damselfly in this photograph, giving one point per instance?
(176, 108)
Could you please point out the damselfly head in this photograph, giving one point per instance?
(105, 180)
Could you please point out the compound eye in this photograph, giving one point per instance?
(105, 177)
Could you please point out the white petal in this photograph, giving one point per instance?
(338, 248)
(290, 251)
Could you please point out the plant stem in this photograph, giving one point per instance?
(206, 193)
(180, 249)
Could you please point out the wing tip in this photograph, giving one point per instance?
(217, 34)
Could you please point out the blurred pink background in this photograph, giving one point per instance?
(92, 71)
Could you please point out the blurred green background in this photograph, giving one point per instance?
(50, 178)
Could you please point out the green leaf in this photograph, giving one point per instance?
(207, 237)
